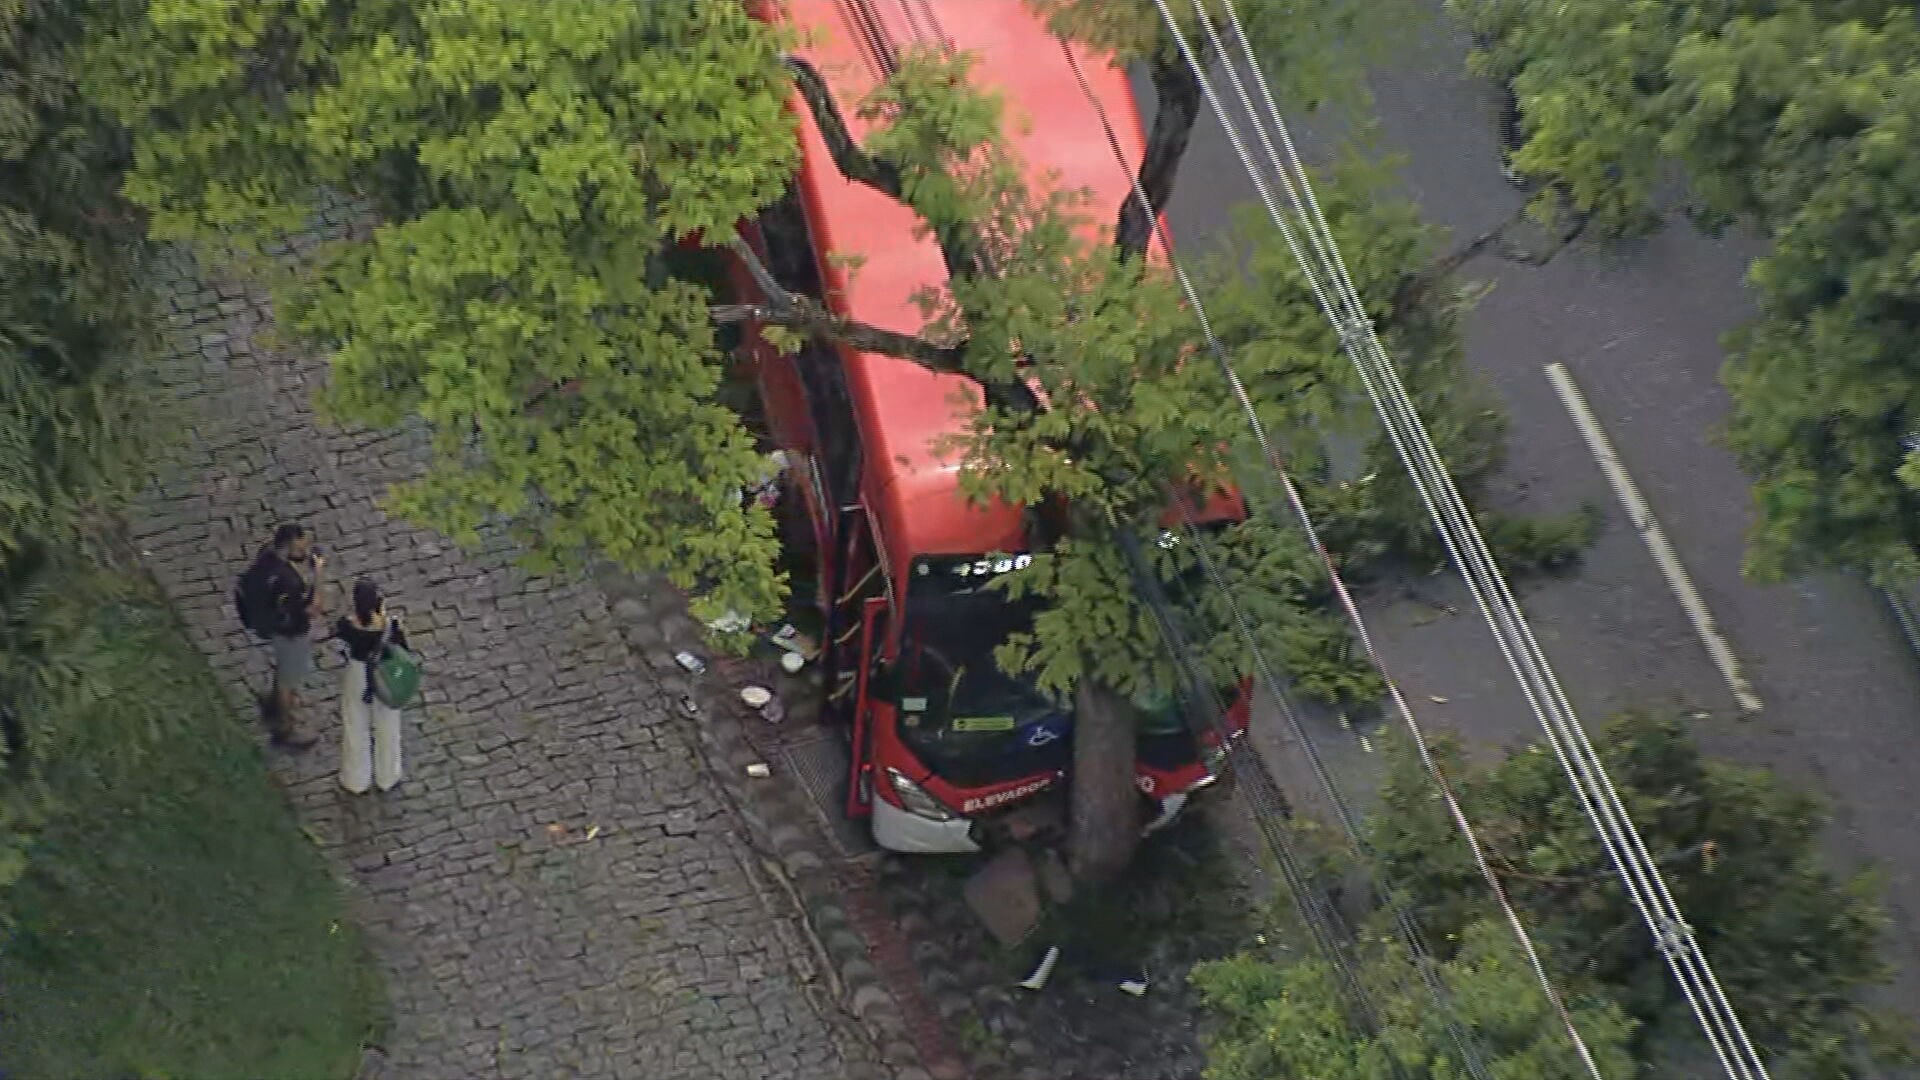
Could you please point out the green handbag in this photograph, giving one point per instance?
(396, 675)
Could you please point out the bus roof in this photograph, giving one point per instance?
(880, 262)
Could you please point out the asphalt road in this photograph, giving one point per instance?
(1638, 326)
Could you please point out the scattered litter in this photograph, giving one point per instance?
(759, 771)
(688, 705)
(1136, 987)
(556, 830)
(692, 663)
(794, 642)
(593, 831)
(731, 623)
(1436, 699)
(1041, 974)
(792, 662)
(762, 700)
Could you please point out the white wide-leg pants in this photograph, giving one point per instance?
(369, 735)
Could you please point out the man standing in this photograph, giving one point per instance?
(278, 598)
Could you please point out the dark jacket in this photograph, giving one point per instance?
(291, 595)
(363, 644)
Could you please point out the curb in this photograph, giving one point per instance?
(653, 623)
(1905, 616)
(948, 967)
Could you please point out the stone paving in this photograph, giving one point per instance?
(556, 889)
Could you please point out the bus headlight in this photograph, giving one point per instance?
(915, 799)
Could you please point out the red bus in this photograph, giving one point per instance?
(902, 556)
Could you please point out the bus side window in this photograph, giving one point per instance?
(833, 421)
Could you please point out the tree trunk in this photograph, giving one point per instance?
(1105, 825)
(1179, 93)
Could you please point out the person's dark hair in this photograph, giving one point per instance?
(288, 533)
(366, 600)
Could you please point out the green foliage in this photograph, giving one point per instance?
(1309, 396)
(1269, 584)
(1137, 420)
(1798, 119)
(536, 163)
(172, 920)
(74, 414)
(1794, 945)
(1312, 53)
(1282, 1016)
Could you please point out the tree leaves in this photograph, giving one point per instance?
(75, 409)
(536, 161)
(1737, 848)
(1797, 118)
(1283, 1017)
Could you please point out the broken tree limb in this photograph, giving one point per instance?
(1178, 91)
(848, 156)
(808, 316)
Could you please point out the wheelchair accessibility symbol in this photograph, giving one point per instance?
(1041, 736)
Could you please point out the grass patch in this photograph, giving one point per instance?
(173, 920)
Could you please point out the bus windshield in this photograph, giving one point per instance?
(955, 621)
(966, 718)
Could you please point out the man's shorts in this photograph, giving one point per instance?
(292, 659)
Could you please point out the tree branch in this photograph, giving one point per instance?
(1178, 94)
(1668, 859)
(809, 316)
(959, 253)
(853, 162)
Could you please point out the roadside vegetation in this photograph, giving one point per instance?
(1795, 120)
(1795, 944)
(541, 169)
(172, 920)
(160, 913)
(519, 223)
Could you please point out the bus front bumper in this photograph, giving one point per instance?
(910, 834)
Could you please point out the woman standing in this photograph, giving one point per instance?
(369, 728)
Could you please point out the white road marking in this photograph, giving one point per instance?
(1643, 520)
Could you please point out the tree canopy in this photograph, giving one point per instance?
(537, 164)
(73, 324)
(542, 175)
(1795, 945)
(1796, 119)
(1282, 1016)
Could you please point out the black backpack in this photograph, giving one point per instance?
(255, 597)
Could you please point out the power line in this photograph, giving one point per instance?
(1326, 273)
(1403, 923)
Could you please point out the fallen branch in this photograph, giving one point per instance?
(806, 315)
(853, 162)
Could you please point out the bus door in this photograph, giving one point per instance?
(857, 628)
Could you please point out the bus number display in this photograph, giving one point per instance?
(979, 568)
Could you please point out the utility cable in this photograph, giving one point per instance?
(1274, 686)
(1694, 975)
(1325, 273)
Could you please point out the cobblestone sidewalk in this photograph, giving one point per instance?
(555, 890)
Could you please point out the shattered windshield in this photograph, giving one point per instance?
(955, 620)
